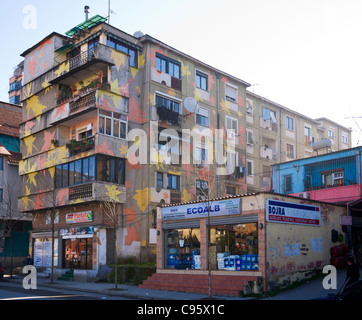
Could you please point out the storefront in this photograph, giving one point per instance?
(257, 240)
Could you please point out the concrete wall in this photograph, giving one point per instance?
(293, 250)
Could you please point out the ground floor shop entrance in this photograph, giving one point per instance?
(77, 253)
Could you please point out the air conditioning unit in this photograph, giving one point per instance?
(304, 195)
(231, 134)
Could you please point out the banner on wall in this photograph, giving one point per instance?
(200, 210)
(79, 217)
(294, 213)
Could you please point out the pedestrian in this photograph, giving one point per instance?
(28, 260)
(352, 271)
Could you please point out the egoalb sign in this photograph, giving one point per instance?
(294, 213)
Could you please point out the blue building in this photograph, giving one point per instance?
(332, 177)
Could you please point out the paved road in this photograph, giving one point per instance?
(15, 291)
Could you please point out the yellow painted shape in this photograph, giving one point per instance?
(64, 67)
(186, 196)
(118, 58)
(25, 201)
(142, 197)
(29, 142)
(35, 106)
(113, 192)
(133, 72)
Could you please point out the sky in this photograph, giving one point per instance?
(303, 54)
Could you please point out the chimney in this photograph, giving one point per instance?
(86, 11)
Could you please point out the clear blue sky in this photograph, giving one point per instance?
(303, 54)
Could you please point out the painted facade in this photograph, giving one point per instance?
(92, 99)
(275, 133)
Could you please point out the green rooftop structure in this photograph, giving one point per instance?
(90, 23)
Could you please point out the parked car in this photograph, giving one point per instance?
(1, 271)
(352, 292)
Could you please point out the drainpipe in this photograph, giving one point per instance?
(359, 172)
(218, 124)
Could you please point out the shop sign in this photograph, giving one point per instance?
(200, 210)
(76, 231)
(79, 217)
(346, 220)
(294, 213)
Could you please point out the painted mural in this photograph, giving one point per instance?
(50, 133)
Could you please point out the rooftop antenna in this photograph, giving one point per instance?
(109, 11)
(86, 11)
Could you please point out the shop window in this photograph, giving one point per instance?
(78, 253)
(182, 249)
(234, 247)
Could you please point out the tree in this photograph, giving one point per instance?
(9, 213)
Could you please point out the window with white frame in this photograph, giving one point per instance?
(201, 80)
(249, 167)
(331, 134)
(202, 117)
(231, 127)
(231, 93)
(289, 123)
(250, 138)
(344, 139)
(290, 150)
(112, 124)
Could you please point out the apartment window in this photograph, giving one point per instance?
(289, 123)
(250, 138)
(167, 65)
(290, 150)
(231, 127)
(124, 47)
(345, 139)
(201, 80)
(231, 190)
(307, 132)
(287, 183)
(332, 177)
(202, 117)
(269, 115)
(200, 155)
(249, 109)
(92, 44)
(202, 189)
(48, 217)
(173, 182)
(231, 93)
(100, 168)
(1, 163)
(1, 195)
(331, 134)
(159, 180)
(167, 103)
(113, 124)
(249, 167)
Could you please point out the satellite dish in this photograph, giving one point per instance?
(191, 105)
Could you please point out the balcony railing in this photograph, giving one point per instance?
(168, 115)
(83, 103)
(81, 191)
(81, 59)
(76, 147)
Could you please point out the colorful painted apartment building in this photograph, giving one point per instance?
(111, 118)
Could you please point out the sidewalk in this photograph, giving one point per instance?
(124, 290)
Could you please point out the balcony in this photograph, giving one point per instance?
(81, 191)
(82, 103)
(84, 65)
(76, 147)
(165, 114)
